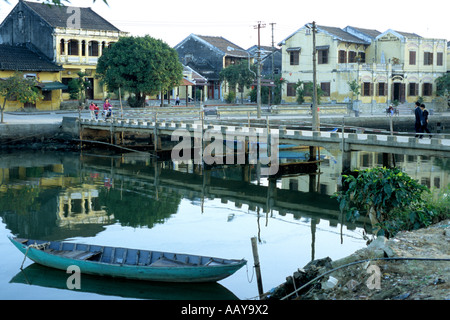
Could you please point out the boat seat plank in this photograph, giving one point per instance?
(164, 262)
(76, 254)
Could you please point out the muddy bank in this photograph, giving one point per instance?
(421, 272)
(45, 141)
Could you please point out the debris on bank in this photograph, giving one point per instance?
(413, 265)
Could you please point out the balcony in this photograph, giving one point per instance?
(78, 60)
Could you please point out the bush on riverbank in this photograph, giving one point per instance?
(391, 199)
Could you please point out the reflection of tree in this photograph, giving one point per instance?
(21, 200)
(139, 209)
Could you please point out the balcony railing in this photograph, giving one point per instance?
(78, 60)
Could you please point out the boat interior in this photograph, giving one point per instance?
(122, 256)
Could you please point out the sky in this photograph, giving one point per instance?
(235, 20)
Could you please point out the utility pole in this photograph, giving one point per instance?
(258, 64)
(315, 113)
(271, 92)
(273, 49)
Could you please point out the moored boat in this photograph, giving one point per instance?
(128, 263)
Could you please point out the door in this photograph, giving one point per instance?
(398, 92)
(90, 89)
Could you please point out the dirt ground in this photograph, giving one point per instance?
(393, 279)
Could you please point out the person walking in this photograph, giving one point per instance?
(425, 114)
(419, 117)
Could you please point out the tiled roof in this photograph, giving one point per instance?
(58, 16)
(21, 58)
(341, 34)
(222, 44)
(370, 32)
(408, 34)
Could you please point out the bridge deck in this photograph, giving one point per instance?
(329, 140)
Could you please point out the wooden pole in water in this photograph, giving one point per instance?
(257, 266)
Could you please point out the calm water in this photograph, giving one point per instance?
(131, 201)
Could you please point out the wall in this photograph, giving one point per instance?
(23, 25)
(53, 104)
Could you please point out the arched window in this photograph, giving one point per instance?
(72, 48)
(61, 47)
(83, 48)
(93, 48)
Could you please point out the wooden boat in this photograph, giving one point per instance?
(39, 275)
(128, 263)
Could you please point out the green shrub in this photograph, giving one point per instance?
(389, 197)
(231, 97)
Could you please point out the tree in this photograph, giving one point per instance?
(354, 88)
(140, 65)
(18, 88)
(277, 90)
(443, 87)
(78, 87)
(390, 198)
(238, 75)
(300, 88)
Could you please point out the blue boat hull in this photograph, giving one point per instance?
(162, 269)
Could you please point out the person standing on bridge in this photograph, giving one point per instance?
(419, 120)
(425, 119)
(92, 110)
(107, 107)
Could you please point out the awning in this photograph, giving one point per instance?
(50, 86)
(293, 49)
(186, 83)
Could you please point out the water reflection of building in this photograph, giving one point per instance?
(80, 205)
(40, 197)
(429, 171)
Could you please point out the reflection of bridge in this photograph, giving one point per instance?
(151, 181)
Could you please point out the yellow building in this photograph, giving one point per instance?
(72, 37)
(390, 66)
(34, 65)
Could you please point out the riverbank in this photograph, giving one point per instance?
(412, 266)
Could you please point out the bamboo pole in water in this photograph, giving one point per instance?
(257, 266)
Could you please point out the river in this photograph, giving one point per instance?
(129, 200)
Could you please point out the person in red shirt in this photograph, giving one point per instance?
(96, 111)
(92, 110)
(107, 109)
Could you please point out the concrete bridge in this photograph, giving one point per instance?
(329, 140)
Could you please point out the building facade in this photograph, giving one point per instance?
(31, 64)
(72, 37)
(209, 55)
(388, 67)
